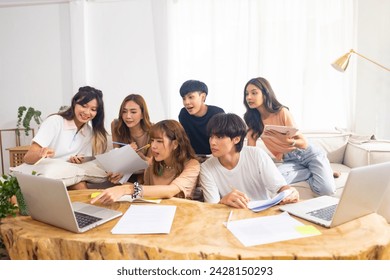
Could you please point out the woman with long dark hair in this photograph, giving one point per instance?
(302, 161)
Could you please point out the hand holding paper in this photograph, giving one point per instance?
(287, 130)
(260, 205)
(123, 160)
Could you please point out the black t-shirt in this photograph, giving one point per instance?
(195, 128)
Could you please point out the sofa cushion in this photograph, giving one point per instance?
(366, 153)
(334, 144)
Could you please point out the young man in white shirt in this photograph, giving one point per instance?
(234, 174)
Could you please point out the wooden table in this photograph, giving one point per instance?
(197, 233)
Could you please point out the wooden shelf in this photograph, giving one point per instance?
(16, 155)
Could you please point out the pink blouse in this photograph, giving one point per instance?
(186, 181)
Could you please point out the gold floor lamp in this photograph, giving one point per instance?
(342, 63)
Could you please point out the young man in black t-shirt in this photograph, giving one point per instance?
(195, 114)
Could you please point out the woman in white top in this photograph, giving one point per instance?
(69, 135)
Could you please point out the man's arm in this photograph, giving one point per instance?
(208, 185)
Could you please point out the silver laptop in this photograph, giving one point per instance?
(48, 202)
(362, 195)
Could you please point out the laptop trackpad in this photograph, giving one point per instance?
(87, 209)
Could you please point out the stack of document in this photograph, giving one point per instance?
(260, 205)
(146, 219)
(281, 129)
(269, 229)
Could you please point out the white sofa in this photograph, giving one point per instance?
(346, 151)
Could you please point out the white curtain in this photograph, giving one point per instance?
(289, 42)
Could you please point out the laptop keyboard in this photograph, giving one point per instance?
(325, 213)
(84, 220)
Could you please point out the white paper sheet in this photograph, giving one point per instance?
(260, 205)
(146, 219)
(269, 229)
(122, 160)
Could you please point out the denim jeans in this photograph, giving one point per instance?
(311, 165)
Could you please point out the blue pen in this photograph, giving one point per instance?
(119, 143)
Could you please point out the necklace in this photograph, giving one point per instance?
(161, 167)
(140, 135)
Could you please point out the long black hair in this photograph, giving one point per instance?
(83, 96)
(252, 117)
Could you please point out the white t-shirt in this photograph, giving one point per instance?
(61, 135)
(256, 175)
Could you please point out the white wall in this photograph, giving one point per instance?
(48, 50)
(121, 55)
(373, 82)
(35, 68)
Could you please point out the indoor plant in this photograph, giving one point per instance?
(25, 116)
(9, 190)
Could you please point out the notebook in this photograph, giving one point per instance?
(362, 195)
(48, 202)
(282, 129)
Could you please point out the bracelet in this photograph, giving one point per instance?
(138, 191)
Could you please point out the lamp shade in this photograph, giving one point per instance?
(342, 63)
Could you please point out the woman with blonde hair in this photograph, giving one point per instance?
(132, 127)
(173, 172)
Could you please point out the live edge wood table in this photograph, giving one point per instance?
(197, 233)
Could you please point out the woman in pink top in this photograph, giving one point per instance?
(174, 170)
(302, 161)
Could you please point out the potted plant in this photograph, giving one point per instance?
(25, 116)
(11, 198)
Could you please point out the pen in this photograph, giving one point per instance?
(144, 147)
(42, 157)
(119, 143)
(39, 160)
(230, 216)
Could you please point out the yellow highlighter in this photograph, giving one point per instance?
(95, 194)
